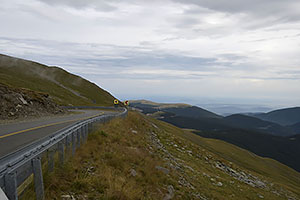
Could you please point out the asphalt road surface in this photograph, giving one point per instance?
(15, 135)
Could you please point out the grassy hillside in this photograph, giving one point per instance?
(65, 88)
(143, 158)
(284, 149)
(245, 159)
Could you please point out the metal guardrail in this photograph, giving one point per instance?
(93, 107)
(16, 167)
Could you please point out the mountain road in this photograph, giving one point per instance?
(16, 135)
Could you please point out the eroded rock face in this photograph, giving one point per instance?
(20, 103)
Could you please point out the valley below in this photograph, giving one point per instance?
(264, 138)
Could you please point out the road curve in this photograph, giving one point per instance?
(14, 136)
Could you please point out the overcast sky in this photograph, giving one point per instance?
(196, 51)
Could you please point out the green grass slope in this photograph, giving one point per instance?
(245, 159)
(65, 88)
(143, 158)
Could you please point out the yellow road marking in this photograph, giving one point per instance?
(46, 125)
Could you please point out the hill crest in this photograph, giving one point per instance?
(63, 87)
(286, 116)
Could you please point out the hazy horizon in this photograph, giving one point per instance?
(239, 53)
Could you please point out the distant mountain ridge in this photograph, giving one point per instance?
(63, 87)
(261, 137)
(252, 123)
(287, 116)
(187, 116)
(158, 105)
(295, 128)
(177, 109)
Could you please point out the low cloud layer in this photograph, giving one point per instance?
(190, 49)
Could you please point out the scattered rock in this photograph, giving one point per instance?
(90, 170)
(23, 100)
(154, 126)
(204, 174)
(199, 196)
(67, 197)
(241, 176)
(164, 170)
(134, 131)
(219, 184)
(190, 152)
(133, 173)
(261, 196)
(182, 181)
(190, 168)
(170, 193)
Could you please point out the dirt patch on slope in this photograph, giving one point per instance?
(18, 103)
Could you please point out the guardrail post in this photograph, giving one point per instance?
(73, 143)
(50, 160)
(11, 185)
(78, 137)
(82, 134)
(86, 131)
(61, 152)
(67, 141)
(38, 178)
(91, 126)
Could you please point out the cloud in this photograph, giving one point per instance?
(259, 8)
(133, 62)
(208, 17)
(226, 48)
(103, 6)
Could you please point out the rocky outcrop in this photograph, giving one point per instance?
(241, 176)
(22, 103)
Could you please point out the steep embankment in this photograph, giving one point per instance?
(63, 87)
(21, 103)
(143, 158)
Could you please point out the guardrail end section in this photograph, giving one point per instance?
(2, 195)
